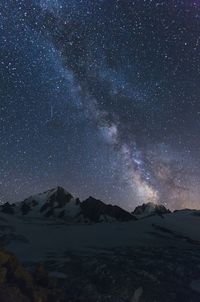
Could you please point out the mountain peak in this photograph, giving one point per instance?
(150, 208)
(96, 210)
(60, 189)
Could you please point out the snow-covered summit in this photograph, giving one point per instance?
(150, 208)
(55, 193)
(56, 202)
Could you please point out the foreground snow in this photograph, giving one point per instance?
(36, 238)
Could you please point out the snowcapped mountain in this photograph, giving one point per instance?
(58, 203)
(148, 209)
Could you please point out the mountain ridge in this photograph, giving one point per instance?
(59, 203)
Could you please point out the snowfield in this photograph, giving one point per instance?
(154, 258)
(46, 236)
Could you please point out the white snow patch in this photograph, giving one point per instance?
(137, 295)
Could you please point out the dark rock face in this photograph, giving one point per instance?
(62, 214)
(57, 200)
(50, 213)
(8, 208)
(77, 201)
(25, 208)
(93, 209)
(60, 197)
(44, 207)
(150, 209)
(34, 203)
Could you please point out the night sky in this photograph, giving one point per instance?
(101, 97)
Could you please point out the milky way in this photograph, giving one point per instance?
(101, 97)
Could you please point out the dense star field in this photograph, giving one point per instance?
(101, 97)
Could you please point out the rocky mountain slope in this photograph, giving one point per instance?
(60, 204)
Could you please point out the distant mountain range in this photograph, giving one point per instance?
(60, 204)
